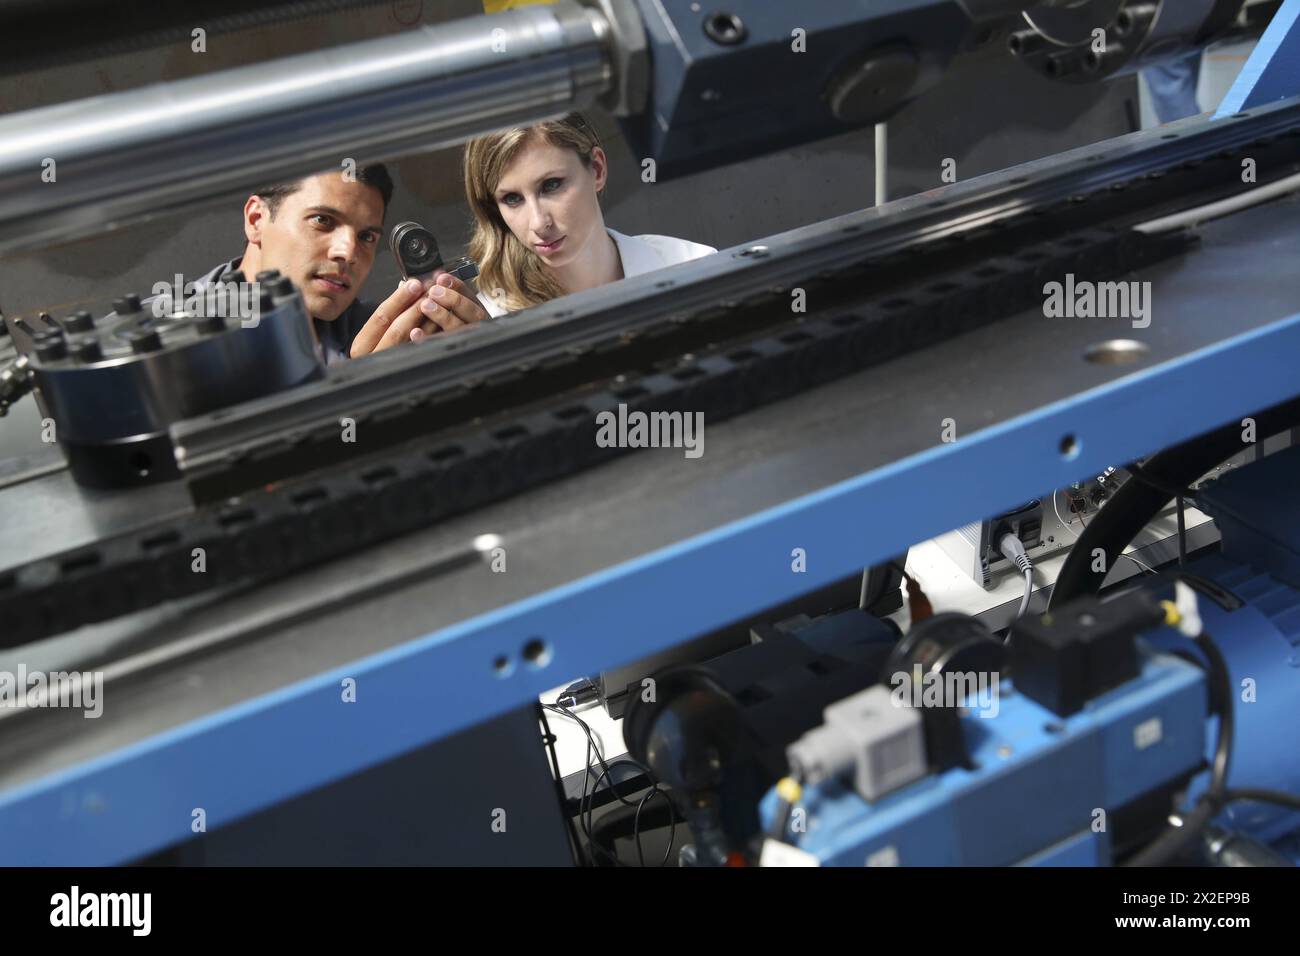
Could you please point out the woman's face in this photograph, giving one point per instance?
(548, 199)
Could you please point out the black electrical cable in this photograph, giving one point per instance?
(586, 805)
(636, 825)
(654, 788)
(1221, 701)
(1175, 840)
(1138, 502)
(570, 827)
(586, 777)
(628, 821)
(587, 808)
(1199, 817)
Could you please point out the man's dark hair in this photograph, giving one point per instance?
(376, 176)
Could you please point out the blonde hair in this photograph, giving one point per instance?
(504, 262)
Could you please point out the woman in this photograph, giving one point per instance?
(539, 233)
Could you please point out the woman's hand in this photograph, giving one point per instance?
(448, 305)
(414, 310)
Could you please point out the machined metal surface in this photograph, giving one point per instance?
(114, 387)
(169, 145)
(1085, 40)
(783, 261)
(1216, 348)
(630, 558)
(269, 534)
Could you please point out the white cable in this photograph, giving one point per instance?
(1145, 567)
(1224, 207)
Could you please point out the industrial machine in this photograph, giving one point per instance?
(297, 635)
(1076, 763)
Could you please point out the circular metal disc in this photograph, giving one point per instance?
(1074, 24)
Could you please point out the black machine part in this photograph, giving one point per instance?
(1067, 657)
(114, 386)
(1138, 502)
(1081, 41)
(876, 592)
(948, 643)
(717, 732)
(692, 734)
(1219, 847)
(415, 249)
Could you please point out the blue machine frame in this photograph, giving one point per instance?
(1038, 782)
(138, 799)
(1273, 71)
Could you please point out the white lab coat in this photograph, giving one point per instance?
(640, 254)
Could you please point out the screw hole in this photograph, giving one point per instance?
(536, 652)
(1070, 448)
(725, 28)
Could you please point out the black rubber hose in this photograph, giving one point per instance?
(1174, 841)
(1137, 503)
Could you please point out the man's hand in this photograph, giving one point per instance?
(393, 321)
(413, 311)
(448, 305)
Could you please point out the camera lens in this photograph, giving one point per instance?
(417, 247)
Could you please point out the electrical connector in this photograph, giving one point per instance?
(1013, 549)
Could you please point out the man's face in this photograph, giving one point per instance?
(323, 236)
(548, 200)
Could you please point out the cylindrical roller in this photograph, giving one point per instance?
(125, 156)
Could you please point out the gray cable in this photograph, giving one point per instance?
(1013, 549)
(1029, 591)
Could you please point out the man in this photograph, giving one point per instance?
(323, 232)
